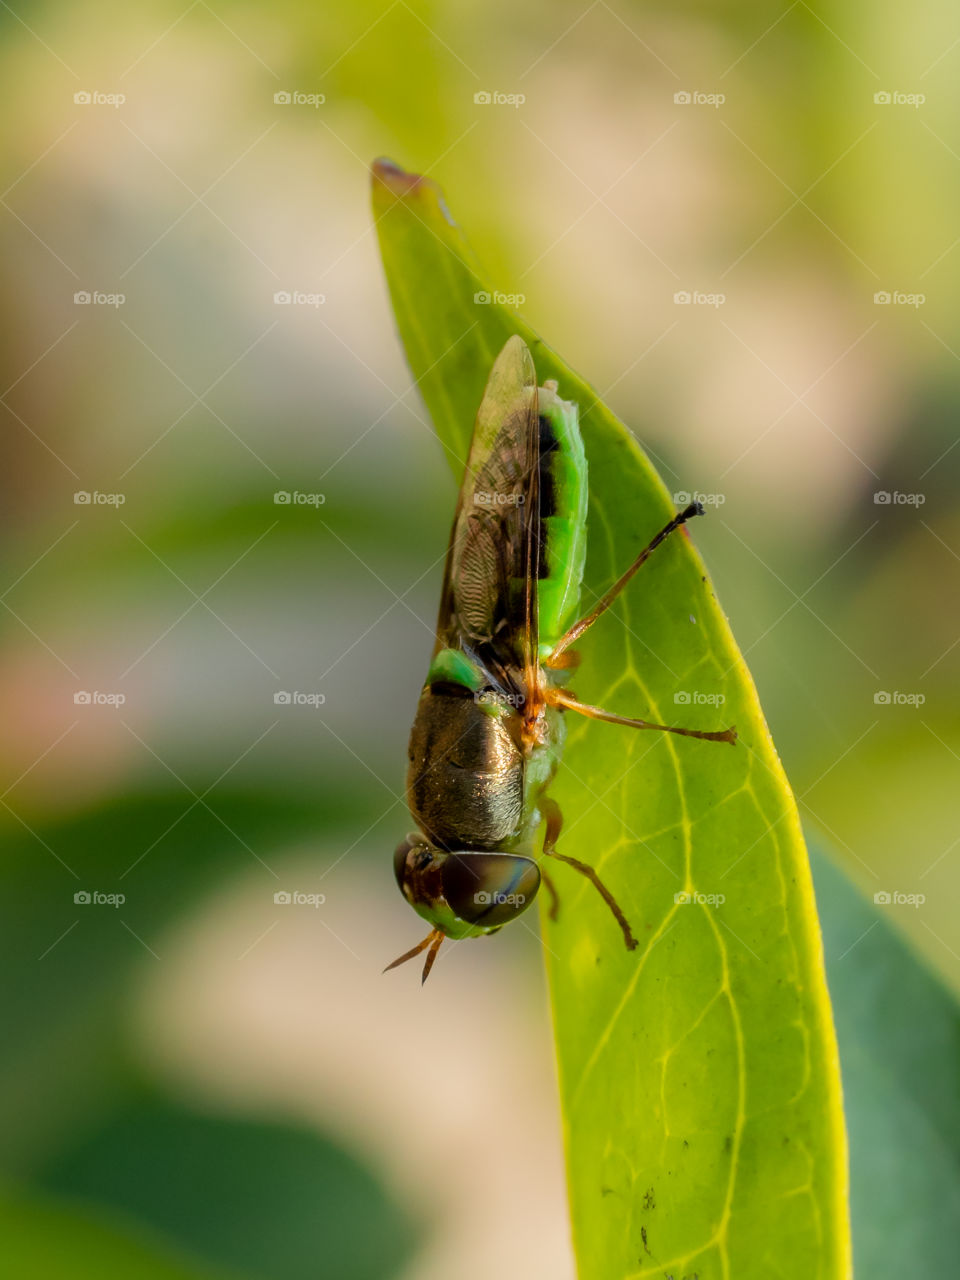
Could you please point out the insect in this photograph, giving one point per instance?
(489, 728)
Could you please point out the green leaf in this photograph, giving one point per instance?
(699, 1076)
(251, 1198)
(43, 1240)
(899, 1033)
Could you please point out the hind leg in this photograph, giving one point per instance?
(554, 819)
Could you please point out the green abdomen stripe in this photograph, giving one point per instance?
(563, 506)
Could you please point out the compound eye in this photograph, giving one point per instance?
(413, 841)
(489, 888)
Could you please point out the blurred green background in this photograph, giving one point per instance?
(202, 1081)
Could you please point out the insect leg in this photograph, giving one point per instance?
(551, 888)
(561, 698)
(602, 605)
(554, 822)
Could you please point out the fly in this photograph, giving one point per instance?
(489, 729)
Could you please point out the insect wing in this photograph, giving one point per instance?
(489, 597)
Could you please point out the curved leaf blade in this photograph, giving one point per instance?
(699, 1075)
(899, 1033)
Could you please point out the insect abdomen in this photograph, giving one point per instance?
(563, 504)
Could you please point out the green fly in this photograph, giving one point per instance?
(489, 728)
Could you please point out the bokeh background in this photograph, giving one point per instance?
(224, 1082)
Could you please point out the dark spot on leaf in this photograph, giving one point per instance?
(649, 1200)
(643, 1237)
(728, 1142)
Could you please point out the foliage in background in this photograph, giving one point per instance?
(834, 597)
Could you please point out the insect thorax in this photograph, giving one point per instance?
(465, 780)
(470, 783)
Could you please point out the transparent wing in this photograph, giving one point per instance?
(489, 596)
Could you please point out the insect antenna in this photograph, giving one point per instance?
(433, 941)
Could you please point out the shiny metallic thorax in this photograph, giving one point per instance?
(470, 785)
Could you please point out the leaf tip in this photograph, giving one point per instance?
(384, 170)
(386, 174)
